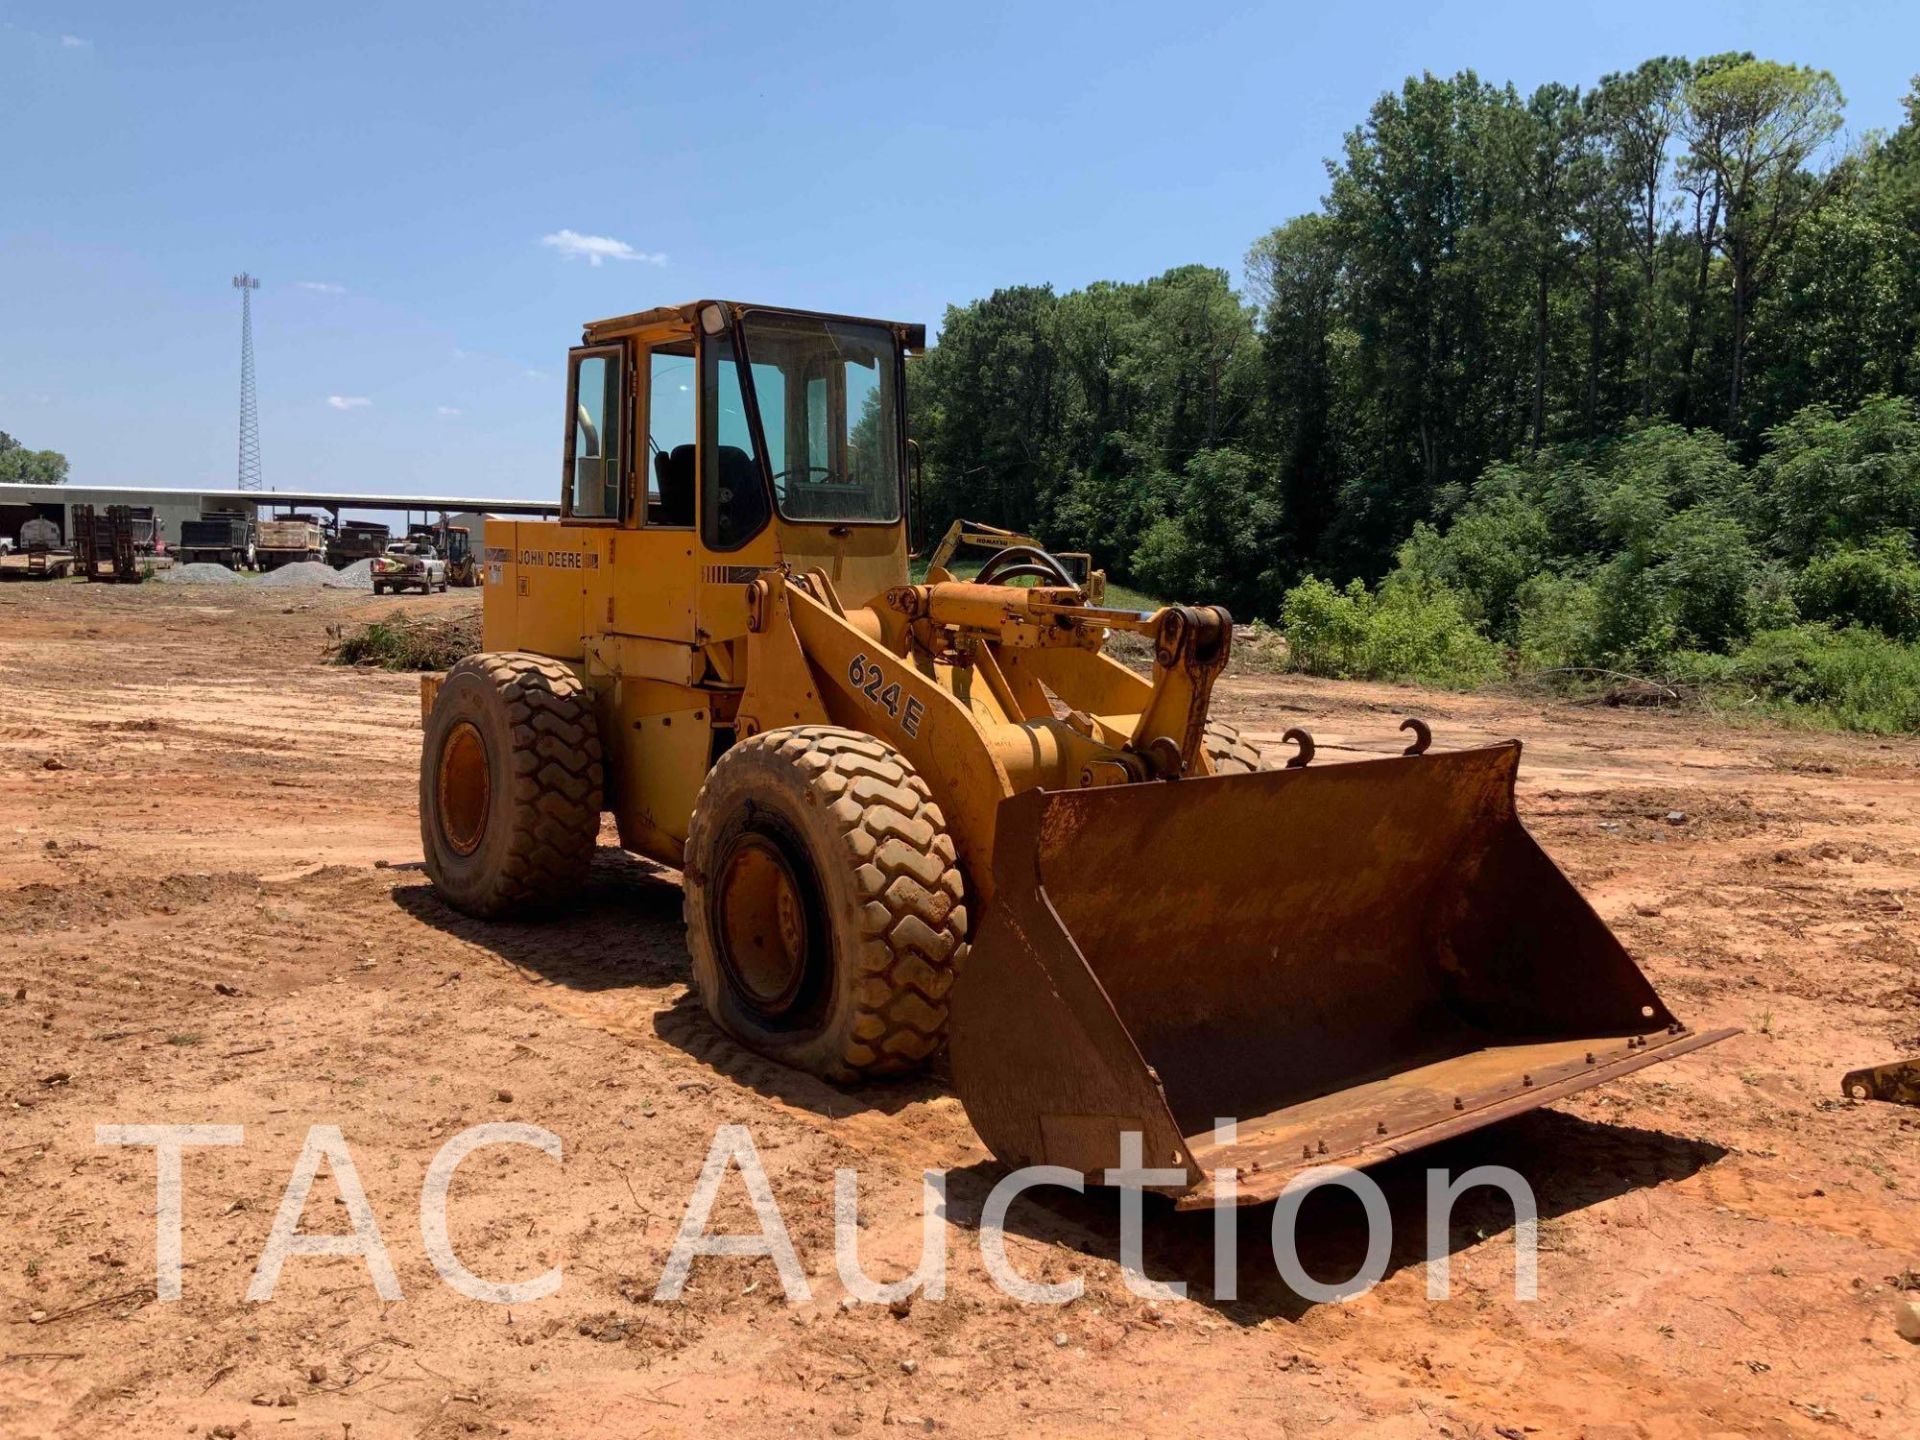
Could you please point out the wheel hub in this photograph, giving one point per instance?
(763, 925)
(464, 788)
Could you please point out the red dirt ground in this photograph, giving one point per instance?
(191, 800)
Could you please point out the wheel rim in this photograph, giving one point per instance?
(464, 788)
(763, 925)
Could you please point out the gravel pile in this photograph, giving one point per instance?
(357, 576)
(303, 574)
(199, 573)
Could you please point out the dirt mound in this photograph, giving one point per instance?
(201, 572)
(299, 574)
(357, 576)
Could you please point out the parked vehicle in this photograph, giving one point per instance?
(455, 544)
(218, 537)
(358, 540)
(409, 565)
(289, 539)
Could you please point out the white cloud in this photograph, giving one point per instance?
(74, 42)
(348, 402)
(446, 410)
(597, 248)
(322, 287)
(534, 374)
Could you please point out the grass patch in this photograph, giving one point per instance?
(405, 642)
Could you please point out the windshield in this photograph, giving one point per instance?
(828, 397)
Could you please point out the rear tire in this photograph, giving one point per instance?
(826, 914)
(1229, 753)
(510, 785)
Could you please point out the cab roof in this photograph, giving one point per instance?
(680, 319)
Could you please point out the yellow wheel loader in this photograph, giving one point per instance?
(916, 815)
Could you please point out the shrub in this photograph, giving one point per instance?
(1834, 479)
(1633, 623)
(1705, 571)
(1555, 624)
(402, 642)
(1876, 584)
(1485, 556)
(1854, 678)
(1411, 629)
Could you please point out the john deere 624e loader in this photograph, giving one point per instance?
(914, 815)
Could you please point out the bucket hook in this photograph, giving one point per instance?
(1299, 737)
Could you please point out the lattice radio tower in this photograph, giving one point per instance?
(249, 413)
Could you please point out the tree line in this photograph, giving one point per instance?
(1498, 289)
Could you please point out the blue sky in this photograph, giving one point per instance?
(406, 179)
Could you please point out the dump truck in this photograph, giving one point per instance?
(289, 539)
(218, 537)
(909, 816)
(358, 540)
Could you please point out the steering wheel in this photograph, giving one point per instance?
(806, 472)
(1018, 562)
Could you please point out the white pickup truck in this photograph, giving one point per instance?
(409, 565)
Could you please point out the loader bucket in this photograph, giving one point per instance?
(1346, 962)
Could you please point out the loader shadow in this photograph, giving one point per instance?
(622, 931)
(1571, 1163)
(625, 932)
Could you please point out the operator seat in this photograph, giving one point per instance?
(675, 473)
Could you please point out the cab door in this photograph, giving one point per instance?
(648, 578)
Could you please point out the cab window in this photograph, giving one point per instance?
(735, 506)
(827, 392)
(671, 429)
(596, 436)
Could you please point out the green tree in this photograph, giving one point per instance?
(21, 466)
(1297, 270)
(1753, 127)
(1638, 111)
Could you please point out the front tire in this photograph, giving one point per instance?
(510, 785)
(826, 914)
(1229, 753)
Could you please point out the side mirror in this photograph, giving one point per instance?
(916, 498)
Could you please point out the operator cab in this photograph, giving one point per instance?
(742, 418)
